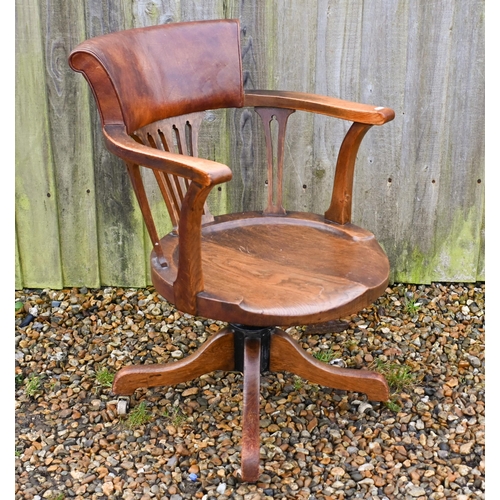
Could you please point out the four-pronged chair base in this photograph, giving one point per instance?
(251, 351)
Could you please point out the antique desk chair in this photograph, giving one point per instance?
(254, 270)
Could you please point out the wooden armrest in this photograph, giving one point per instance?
(338, 108)
(204, 174)
(202, 171)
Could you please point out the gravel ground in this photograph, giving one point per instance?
(180, 442)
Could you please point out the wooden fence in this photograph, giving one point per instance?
(419, 182)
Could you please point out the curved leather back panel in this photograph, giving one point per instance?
(142, 75)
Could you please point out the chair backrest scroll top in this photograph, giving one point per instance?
(143, 75)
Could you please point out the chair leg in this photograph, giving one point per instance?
(217, 353)
(287, 355)
(250, 442)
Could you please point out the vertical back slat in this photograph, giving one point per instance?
(176, 135)
(140, 192)
(165, 181)
(275, 193)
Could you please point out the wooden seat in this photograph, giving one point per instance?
(289, 270)
(257, 271)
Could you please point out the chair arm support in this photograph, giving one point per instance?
(341, 203)
(202, 171)
(338, 108)
(189, 281)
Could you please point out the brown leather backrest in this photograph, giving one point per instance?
(142, 75)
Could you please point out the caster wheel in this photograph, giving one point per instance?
(123, 406)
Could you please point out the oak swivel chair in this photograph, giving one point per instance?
(296, 268)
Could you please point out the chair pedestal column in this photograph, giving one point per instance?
(252, 355)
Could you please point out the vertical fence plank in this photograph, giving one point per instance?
(481, 263)
(18, 272)
(385, 195)
(213, 140)
(120, 227)
(338, 48)
(459, 213)
(212, 134)
(152, 13)
(293, 66)
(71, 141)
(36, 201)
(407, 222)
(191, 10)
(246, 191)
(424, 131)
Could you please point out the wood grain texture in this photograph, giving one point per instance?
(18, 272)
(457, 247)
(203, 71)
(247, 154)
(337, 108)
(37, 228)
(217, 353)
(152, 13)
(214, 140)
(289, 45)
(134, 172)
(71, 139)
(120, 228)
(380, 165)
(189, 280)
(340, 209)
(287, 355)
(288, 270)
(428, 186)
(275, 147)
(337, 74)
(250, 439)
(175, 135)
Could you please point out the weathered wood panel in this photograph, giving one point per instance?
(246, 191)
(383, 172)
(71, 139)
(154, 12)
(288, 43)
(36, 196)
(338, 52)
(120, 230)
(460, 209)
(151, 13)
(18, 273)
(212, 133)
(429, 188)
(214, 140)
(419, 181)
(269, 52)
